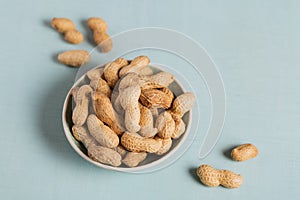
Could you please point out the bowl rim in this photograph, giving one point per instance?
(164, 157)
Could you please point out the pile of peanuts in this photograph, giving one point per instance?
(126, 112)
(76, 58)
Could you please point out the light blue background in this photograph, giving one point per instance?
(256, 45)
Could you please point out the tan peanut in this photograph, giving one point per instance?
(132, 159)
(244, 152)
(111, 71)
(129, 101)
(104, 155)
(95, 73)
(103, 40)
(135, 65)
(213, 177)
(146, 122)
(165, 147)
(101, 86)
(158, 98)
(183, 104)
(165, 125)
(80, 112)
(96, 23)
(102, 133)
(62, 25)
(74, 58)
(73, 37)
(136, 143)
(105, 112)
(161, 79)
(66, 26)
(81, 134)
(179, 127)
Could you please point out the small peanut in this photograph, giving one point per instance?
(105, 112)
(132, 159)
(165, 147)
(96, 23)
(111, 71)
(179, 127)
(81, 99)
(146, 122)
(213, 177)
(183, 104)
(134, 142)
(104, 155)
(101, 38)
(102, 133)
(62, 25)
(74, 58)
(129, 101)
(244, 152)
(135, 65)
(73, 37)
(66, 26)
(158, 98)
(165, 125)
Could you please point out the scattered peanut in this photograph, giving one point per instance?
(182, 104)
(146, 122)
(101, 38)
(132, 159)
(136, 143)
(80, 111)
(74, 58)
(96, 23)
(244, 152)
(73, 36)
(102, 133)
(213, 177)
(66, 26)
(135, 65)
(62, 25)
(165, 125)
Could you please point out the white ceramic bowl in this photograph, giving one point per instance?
(152, 162)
